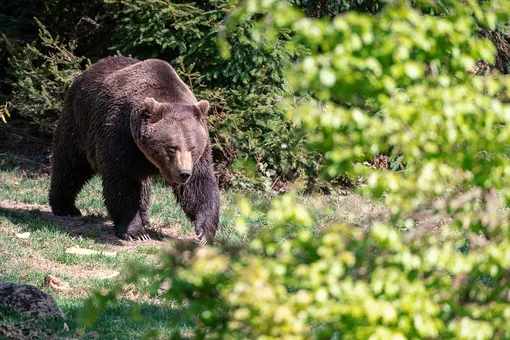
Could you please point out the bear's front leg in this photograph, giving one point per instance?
(127, 201)
(200, 201)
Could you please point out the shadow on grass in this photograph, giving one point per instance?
(97, 228)
(124, 320)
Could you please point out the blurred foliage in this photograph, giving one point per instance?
(330, 8)
(407, 76)
(500, 37)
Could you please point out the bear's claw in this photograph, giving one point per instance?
(145, 237)
(137, 236)
(203, 239)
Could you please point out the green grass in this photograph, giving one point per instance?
(24, 208)
(15, 186)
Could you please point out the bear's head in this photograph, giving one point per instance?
(172, 136)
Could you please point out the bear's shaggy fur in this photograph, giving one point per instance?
(128, 120)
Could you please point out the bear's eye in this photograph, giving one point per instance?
(192, 148)
(172, 148)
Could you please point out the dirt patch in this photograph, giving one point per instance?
(351, 209)
(362, 212)
(96, 227)
(37, 263)
(358, 211)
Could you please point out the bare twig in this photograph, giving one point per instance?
(23, 134)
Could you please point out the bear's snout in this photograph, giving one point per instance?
(184, 165)
(184, 175)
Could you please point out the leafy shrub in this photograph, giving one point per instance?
(40, 75)
(158, 29)
(83, 22)
(64, 18)
(251, 134)
(407, 75)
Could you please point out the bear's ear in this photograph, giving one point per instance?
(151, 104)
(153, 109)
(203, 105)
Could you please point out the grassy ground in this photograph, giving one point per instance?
(24, 208)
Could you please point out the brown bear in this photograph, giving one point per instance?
(129, 120)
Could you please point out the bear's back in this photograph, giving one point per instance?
(107, 66)
(130, 80)
(115, 88)
(149, 78)
(95, 76)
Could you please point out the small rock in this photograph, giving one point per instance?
(66, 328)
(55, 283)
(23, 235)
(109, 275)
(164, 287)
(28, 300)
(109, 253)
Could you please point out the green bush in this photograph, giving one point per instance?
(40, 75)
(158, 29)
(82, 22)
(408, 78)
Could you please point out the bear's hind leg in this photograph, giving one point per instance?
(70, 171)
(127, 201)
